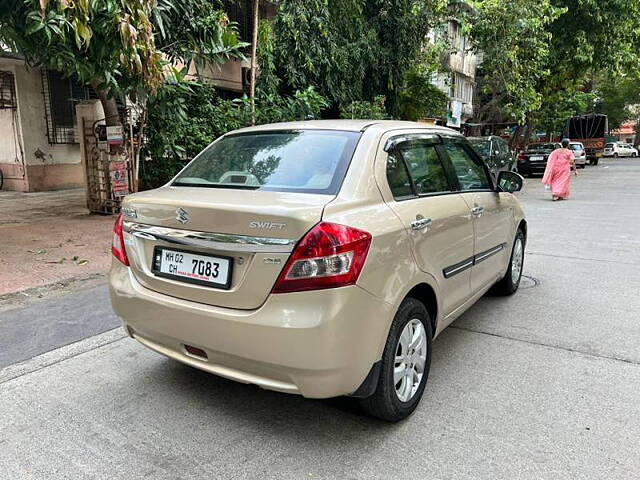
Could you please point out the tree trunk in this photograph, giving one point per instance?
(111, 115)
(513, 143)
(254, 63)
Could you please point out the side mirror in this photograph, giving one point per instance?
(509, 182)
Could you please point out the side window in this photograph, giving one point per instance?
(471, 175)
(425, 167)
(397, 176)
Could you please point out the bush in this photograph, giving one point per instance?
(420, 99)
(365, 110)
(185, 118)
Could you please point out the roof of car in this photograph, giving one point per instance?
(346, 125)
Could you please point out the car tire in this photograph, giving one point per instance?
(385, 403)
(615, 155)
(511, 281)
(595, 162)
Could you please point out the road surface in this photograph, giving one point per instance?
(541, 385)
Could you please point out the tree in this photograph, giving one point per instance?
(619, 98)
(540, 55)
(400, 30)
(419, 98)
(515, 43)
(351, 50)
(112, 45)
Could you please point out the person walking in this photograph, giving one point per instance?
(557, 174)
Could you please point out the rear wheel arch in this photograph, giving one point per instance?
(425, 293)
(523, 226)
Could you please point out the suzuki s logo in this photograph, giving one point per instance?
(182, 216)
(267, 225)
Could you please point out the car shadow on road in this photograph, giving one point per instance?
(292, 415)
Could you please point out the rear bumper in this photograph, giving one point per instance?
(318, 344)
(532, 168)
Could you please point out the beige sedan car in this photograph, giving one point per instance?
(318, 258)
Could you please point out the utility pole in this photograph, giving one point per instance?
(254, 63)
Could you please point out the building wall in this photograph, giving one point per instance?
(28, 160)
(11, 148)
(458, 79)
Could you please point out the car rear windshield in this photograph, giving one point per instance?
(576, 146)
(306, 161)
(542, 146)
(609, 145)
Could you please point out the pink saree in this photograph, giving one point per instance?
(558, 172)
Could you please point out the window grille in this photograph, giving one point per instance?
(7, 91)
(60, 97)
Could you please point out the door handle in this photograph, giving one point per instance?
(477, 211)
(421, 223)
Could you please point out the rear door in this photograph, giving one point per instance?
(491, 214)
(435, 217)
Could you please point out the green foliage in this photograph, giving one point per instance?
(351, 50)
(515, 42)
(619, 97)
(173, 136)
(400, 29)
(420, 99)
(555, 111)
(363, 109)
(324, 44)
(115, 45)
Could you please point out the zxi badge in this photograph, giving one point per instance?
(182, 216)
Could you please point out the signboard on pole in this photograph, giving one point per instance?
(119, 178)
(115, 135)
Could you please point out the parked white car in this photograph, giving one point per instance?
(620, 149)
(579, 154)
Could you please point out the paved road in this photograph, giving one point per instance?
(48, 324)
(542, 385)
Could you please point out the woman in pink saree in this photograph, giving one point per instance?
(557, 175)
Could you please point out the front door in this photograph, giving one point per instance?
(437, 219)
(490, 215)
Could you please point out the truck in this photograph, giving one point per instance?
(590, 130)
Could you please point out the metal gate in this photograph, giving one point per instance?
(108, 169)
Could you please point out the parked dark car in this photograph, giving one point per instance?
(495, 152)
(533, 160)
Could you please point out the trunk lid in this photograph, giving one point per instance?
(256, 229)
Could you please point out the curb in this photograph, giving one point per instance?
(60, 354)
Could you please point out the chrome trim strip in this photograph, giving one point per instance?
(492, 251)
(471, 261)
(217, 241)
(457, 268)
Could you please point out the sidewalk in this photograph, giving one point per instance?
(48, 237)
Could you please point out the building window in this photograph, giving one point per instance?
(7, 91)
(60, 98)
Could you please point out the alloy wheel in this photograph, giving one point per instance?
(517, 260)
(410, 359)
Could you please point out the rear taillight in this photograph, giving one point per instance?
(521, 157)
(328, 256)
(117, 247)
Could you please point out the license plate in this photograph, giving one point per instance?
(536, 158)
(190, 267)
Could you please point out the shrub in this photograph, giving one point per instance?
(184, 119)
(365, 110)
